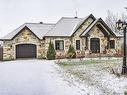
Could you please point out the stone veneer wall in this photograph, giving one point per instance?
(24, 37)
(118, 51)
(76, 35)
(94, 33)
(68, 41)
(27, 37)
(97, 33)
(61, 53)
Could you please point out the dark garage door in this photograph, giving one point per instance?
(25, 51)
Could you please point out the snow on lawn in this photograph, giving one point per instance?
(34, 77)
(94, 76)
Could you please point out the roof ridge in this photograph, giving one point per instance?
(72, 18)
(77, 17)
(40, 23)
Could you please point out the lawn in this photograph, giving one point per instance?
(95, 75)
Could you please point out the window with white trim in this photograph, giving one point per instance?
(112, 44)
(77, 44)
(59, 44)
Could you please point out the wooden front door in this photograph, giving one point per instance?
(95, 45)
(25, 51)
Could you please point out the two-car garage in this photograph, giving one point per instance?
(26, 51)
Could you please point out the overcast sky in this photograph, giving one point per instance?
(14, 13)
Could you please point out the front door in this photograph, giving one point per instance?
(95, 45)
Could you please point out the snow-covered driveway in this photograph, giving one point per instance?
(33, 77)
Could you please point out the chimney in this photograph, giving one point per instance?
(41, 22)
(76, 16)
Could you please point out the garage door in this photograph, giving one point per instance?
(25, 51)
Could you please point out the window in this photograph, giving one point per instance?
(59, 45)
(112, 44)
(77, 44)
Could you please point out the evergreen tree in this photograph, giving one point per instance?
(71, 52)
(51, 52)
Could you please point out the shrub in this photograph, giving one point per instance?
(51, 52)
(125, 93)
(71, 52)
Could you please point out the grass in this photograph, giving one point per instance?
(76, 67)
(70, 66)
(93, 72)
(85, 62)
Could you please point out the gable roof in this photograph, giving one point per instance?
(119, 33)
(94, 24)
(66, 26)
(37, 28)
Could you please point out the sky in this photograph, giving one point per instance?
(14, 13)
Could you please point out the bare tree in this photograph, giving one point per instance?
(123, 17)
(112, 18)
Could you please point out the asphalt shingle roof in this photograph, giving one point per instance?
(38, 29)
(65, 27)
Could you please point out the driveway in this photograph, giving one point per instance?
(33, 77)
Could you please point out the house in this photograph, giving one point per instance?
(87, 35)
(1, 43)
(1, 50)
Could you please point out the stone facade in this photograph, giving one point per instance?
(27, 37)
(94, 33)
(24, 37)
(97, 33)
(118, 47)
(76, 36)
(59, 53)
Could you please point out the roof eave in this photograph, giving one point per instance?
(25, 27)
(5, 39)
(104, 25)
(57, 36)
(107, 27)
(91, 15)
